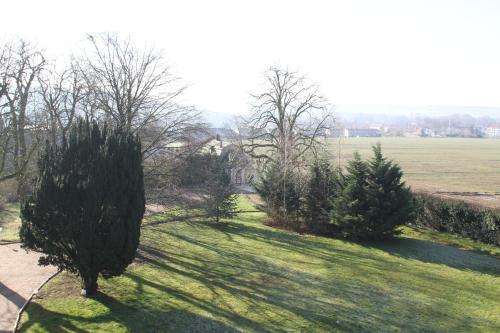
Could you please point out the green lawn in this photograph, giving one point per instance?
(447, 164)
(242, 276)
(10, 223)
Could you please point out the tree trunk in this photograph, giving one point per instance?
(89, 283)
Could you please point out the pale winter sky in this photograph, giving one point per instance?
(406, 52)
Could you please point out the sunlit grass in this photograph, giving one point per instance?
(10, 223)
(242, 276)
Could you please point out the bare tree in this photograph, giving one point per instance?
(21, 66)
(62, 94)
(287, 119)
(135, 89)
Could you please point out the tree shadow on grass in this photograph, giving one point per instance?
(235, 283)
(123, 317)
(272, 288)
(409, 248)
(435, 253)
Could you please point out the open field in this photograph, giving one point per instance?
(453, 167)
(242, 276)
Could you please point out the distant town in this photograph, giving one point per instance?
(378, 125)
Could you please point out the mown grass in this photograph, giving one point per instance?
(450, 239)
(447, 164)
(9, 223)
(242, 276)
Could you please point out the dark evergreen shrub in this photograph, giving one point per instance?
(194, 169)
(350, 208)
(457, 217)
(389, 199)
(86, 209)
(373, 200)
(321, 191)
(283, 195)
(219, 194)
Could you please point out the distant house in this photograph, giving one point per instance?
(425, 131)
(362, 132)
(492, 132)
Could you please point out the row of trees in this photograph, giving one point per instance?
(289, 118)
(111, 80)
(367, 201)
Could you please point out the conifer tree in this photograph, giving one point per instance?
(390, 201)
(373, 200)
(220, 196)
(320, 193)
(272, 186)
(351, 206)
(86, 209)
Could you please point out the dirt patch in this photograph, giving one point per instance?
(68, 285)
(483, 199)
(152, 209)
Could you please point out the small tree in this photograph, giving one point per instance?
(86, 209)
(351, 206)
(283, 196)
(320, 193)
(373, 200)
(220, 197)
(389, 198)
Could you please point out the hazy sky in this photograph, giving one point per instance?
(411, 52)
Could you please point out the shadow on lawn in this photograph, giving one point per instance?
(270, 289)
(435, 253)
(409, 248)
(256, 293)
(131, 319)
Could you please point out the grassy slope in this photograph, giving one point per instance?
(10, 223)
(449, 164)
(245, 277)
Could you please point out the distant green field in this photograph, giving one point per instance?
(439, 164)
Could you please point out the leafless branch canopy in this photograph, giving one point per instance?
(287, 118)
(134, 89)
(20, 65)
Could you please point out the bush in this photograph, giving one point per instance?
(458, 217)
(373, 200)
(86, 209)
(194, 169)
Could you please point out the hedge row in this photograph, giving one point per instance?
(457, 217)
